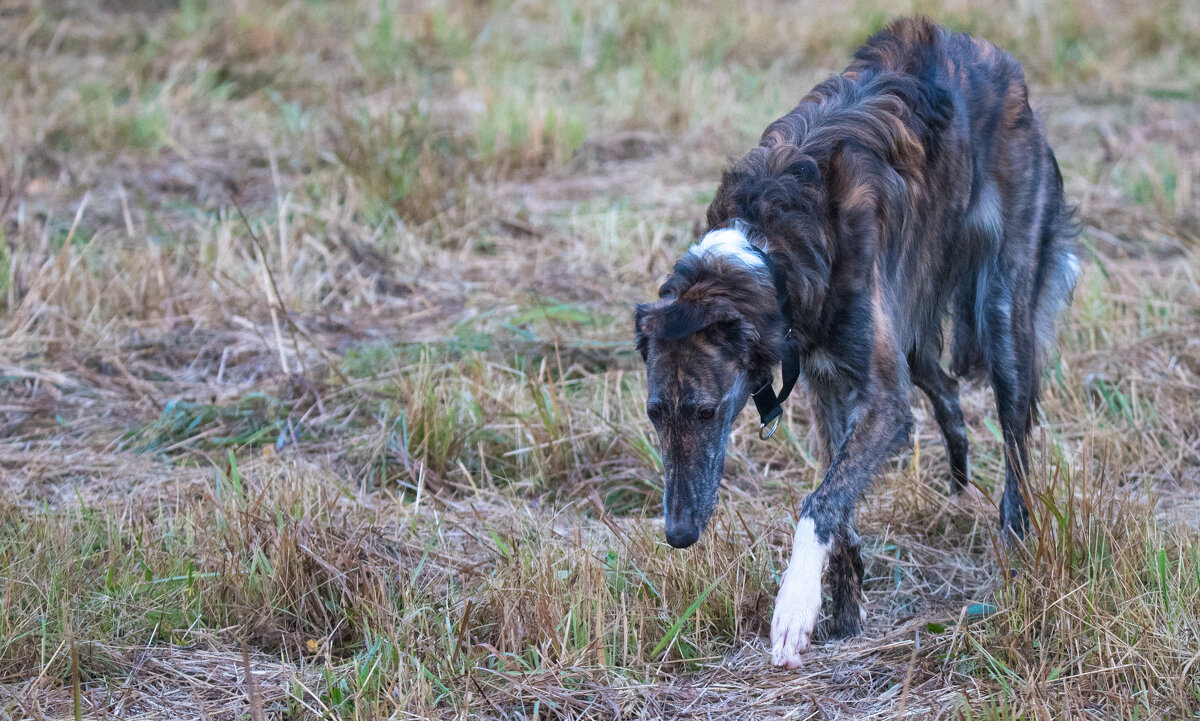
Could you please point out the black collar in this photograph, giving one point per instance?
(768, 403)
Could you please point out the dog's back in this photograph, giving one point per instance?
(934, 130)
(1019, 231)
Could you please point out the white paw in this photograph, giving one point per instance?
(798, 604)
(796, 611)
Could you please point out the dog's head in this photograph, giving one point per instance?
(702, 347)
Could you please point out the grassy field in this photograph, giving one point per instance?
(318, 396)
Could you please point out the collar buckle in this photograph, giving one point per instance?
(766, 430)
(770, 405)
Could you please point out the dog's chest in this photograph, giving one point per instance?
(819, 365)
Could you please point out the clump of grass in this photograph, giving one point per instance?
(627, 601)
(1103, 603)
(404, 163)
(255, 420)
(519, 133)
(431, 427)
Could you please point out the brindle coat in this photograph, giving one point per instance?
(916, 184)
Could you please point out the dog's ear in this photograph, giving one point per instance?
(640, 339)
(649, 320)
(672, 319)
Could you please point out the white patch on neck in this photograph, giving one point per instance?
(798, 604)
(732, 244)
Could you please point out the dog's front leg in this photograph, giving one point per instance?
(798, 604)
(827, 515)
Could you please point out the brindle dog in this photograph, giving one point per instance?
(917, 182)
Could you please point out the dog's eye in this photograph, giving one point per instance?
(706, 413)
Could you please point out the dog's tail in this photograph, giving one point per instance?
(1058, 265)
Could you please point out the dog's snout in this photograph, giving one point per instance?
(679, 521)
(682, 534)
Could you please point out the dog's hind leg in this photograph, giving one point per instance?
(1012, 362)
(942, 391)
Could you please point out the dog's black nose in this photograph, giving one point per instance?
(682, 535)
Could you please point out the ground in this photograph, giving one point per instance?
(318, 396)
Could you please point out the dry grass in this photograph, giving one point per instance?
(317, 397)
